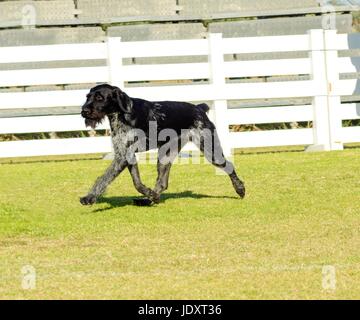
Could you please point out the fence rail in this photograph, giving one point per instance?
(214, 80)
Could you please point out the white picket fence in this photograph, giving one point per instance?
(323, 65)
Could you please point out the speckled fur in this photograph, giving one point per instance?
(132, 121)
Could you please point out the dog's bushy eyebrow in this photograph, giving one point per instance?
(99, 95)
(94, 93)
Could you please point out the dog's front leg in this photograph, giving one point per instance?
(116, 167)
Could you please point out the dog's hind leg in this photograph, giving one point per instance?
(166, 156)
(162, 181)
(140, 187)
(116, 167)
(208, 142)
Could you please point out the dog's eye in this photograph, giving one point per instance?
(99, 98)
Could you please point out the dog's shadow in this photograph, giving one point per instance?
(116, 202)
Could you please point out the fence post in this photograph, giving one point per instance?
(114, 63)
(334, 101)
(327, 121)
(217, 78)
(320, 100)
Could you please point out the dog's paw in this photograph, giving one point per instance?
(240, 190)
(154, 197)
(88, 200)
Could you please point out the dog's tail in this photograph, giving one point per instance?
(204, 107)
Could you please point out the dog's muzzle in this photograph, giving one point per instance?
(85, 113)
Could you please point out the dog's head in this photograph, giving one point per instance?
(103, 100)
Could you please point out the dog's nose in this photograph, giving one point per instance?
(85, 112)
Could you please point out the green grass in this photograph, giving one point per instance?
(301, 213)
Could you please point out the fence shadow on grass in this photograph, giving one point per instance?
(116, 202)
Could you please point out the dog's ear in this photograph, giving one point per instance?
(122, 100)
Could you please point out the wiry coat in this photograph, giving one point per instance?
(133, 121)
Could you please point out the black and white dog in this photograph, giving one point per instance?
(139, 125)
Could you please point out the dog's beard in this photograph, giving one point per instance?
(92, 123)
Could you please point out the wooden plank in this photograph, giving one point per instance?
(82, 21)
(177, 71)
(200, 7)
(270, 138)
(350, 134)
(51, 36)
(107, 9)
(160, 31)
(42, 99)
(270, 115)
(267, 67)
(47, 147)
(53, 76)
(87, 51)
(346, 87)
(298, 25)
(32, 10)
(343, 42)
(348, 65)
(60, 123)
(266, 44)
(350, 111)
(165, 48)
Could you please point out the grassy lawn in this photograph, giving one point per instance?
(301, 213)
